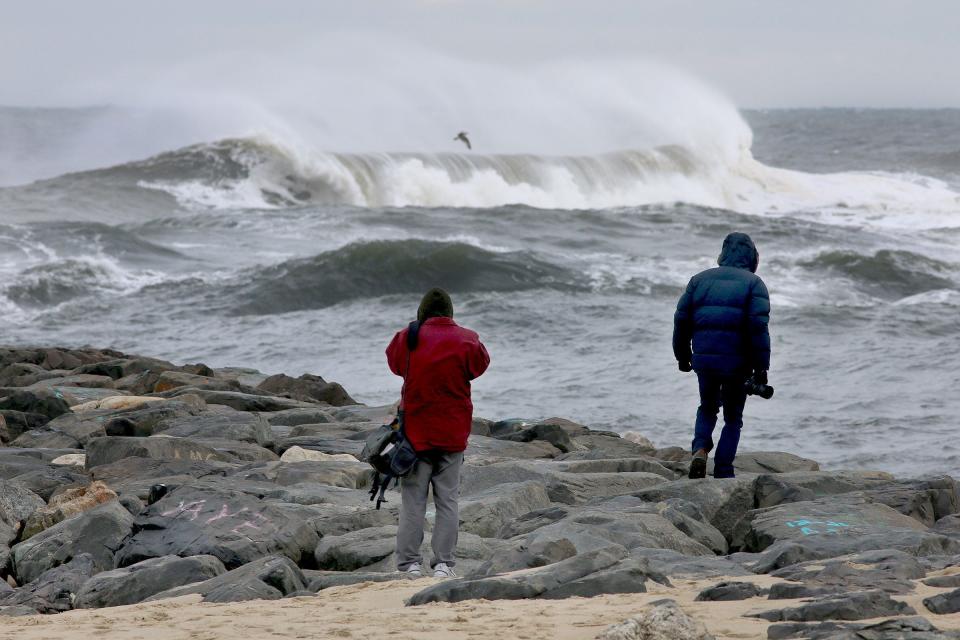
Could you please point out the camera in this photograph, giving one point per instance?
(754, 388)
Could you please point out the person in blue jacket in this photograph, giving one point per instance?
(724, 313)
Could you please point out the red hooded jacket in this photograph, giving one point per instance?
(436, 402)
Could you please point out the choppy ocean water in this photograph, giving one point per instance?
(260, 252)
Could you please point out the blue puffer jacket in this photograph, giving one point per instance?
(725, 312)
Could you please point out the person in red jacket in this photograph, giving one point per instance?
(437, 413)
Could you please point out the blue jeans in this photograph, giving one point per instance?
(717, 391)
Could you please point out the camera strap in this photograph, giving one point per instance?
(381, 482)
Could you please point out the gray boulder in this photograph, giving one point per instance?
(307, 388)
(598, 526)
(268, 578)
(858, 605)
(233, 526)
(356, 549)
(951, 581)
(925, 500)
(801, 486)
(99, 532)
(524, 556)
(724, 591)
(486, 512)
(45, 480)
(139, 581)
(552, 433)
(40, 401)
(53, 590)
(102, 451)
(220, 423)
(16, 505)
(630, 575)
(948, 526)
(236, 450)
(944, 603)
(831, 527)
(608, 445)
(70, 430)
(143, 421)
(721, 501)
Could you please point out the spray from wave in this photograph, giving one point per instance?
(311, 126)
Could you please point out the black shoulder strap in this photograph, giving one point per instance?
(413, 334)
(413, 338)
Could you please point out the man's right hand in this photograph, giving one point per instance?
(686, 367)
(760, 376)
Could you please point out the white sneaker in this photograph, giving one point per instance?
(443, 571)
(415, 570)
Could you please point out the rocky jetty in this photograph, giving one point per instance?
(126, 479)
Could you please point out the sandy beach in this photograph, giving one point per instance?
(377, 610)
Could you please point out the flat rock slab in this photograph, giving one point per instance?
(769, 462)
(485, 449)
(228, 424)
(268, 578)
(532, 584)
(799, 486)
(138, 582)
(320, 580)
(233, 526)
(888, 570)
(102, 451)
(944, 582)
(911, 628)
(676, 565)
(858, 605)
(239, 401)
(335, 473)
(372, 550)
(831, 527)
(598, 526)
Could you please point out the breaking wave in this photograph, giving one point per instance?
(265, 173)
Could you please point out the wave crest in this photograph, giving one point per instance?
(372, 269)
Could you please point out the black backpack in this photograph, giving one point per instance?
(387, 449)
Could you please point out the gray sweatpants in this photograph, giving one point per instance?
(442, 472)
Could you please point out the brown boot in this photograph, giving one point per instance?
(698, 465)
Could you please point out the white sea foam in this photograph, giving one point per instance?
(279, 175)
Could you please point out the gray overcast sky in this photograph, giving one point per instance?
(761, 53)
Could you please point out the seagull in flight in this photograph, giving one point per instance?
(462, 137)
